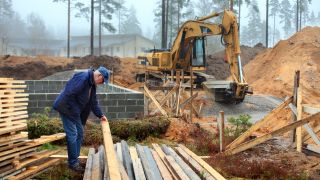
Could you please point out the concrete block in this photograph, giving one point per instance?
(35, 110)
(134, 108)
(112, 115)
(101, 96)
(127, 102)
(37, 97)
(40, 91)
(140, 102)
(115, 96)
(126, 115)
(116, 109)
(108, 103)
(52, 97)
(41, 83)
(28, 83)
(134, 96)
(32, 104)
(44, 104)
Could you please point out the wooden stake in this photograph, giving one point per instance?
(294, 101)
(221, 131)
(191, 92)
(299, 117)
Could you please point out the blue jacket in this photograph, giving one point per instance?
(74, 100)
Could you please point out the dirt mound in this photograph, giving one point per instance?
(220, 69)
(38, 67)
(272, 71)
(97, 61)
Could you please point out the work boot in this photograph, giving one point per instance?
(77, 167)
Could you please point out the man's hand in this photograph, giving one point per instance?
(103, 118)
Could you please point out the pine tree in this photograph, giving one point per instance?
(253, 34)
(131, 25)
(275, 8)
(285, 16)
(6, 13)
(121, 13)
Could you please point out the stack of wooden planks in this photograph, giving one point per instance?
(19, 157)
(142, 162)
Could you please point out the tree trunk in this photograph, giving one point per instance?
(92, 23)
(267, 23)
(167, 23)
(300, 15)
(239, 5)
(297, 17)
(163, 24)
(274, 28)
(231, 5)
(100, 43)
(68, 38)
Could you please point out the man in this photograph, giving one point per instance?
(74, 104)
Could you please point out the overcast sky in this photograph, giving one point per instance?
(55, 14)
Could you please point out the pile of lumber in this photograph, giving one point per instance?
(141, 162)
(19, 156)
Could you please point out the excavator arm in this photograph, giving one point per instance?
(188, 50)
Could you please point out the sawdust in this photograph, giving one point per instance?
(272, 72)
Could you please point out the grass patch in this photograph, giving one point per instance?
(131, 130)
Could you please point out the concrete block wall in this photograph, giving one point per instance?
(116, 102)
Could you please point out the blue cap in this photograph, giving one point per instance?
(105, 72)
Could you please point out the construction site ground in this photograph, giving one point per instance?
(269, 71)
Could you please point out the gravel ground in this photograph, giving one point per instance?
(257, 106)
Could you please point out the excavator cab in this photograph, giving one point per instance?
(198, 53)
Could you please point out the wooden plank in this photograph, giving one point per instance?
(110, 155)
(187, 170)
(311, 109)
(148, 93)
(313, 148)
(165, 173)
(166, 98)
(13, 128)
(88, 170)
(145, 164)
(12, 123)
(177, 169)
(12, 86)
(138, 169)
(34, 158)
(259, 140)
(13, 105)
(17, 113)
(299, 117)
(119, 152)
(9, 138)
(16, 156)
(123, 173)
(96, 170)
(152, 162)
(14, 95)
(133, 152)
(205, 165)
(194, 164)
(257, 125)
(33, 170)
(13, 118)
(33, 143)
(187, 101)
(14, 100)
(162, 156)
(178, 100)
(221, 131)
(127, 162)
(64, 156)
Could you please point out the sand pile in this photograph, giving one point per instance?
(272, 71)
(220, 69)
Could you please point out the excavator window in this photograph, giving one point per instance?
(198, 53)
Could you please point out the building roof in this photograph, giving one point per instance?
(106, 40)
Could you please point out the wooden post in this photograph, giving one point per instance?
(294, 101)
(110, 154)
(191, 92)
(112, 76)
(299, 117)
(221, 131)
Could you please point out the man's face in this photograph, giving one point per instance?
(99, 79)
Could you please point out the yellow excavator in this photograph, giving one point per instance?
(188, 50)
